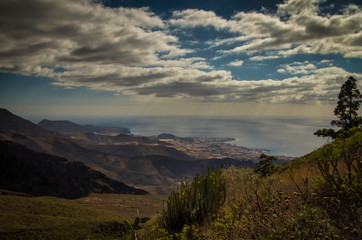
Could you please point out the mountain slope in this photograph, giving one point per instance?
(14, 128)
(129, 159)
(24, 170)
(10, 123)
(67, 127)
(106, 139)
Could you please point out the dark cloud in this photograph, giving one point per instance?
(69, 31)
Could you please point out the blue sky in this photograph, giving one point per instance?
(152, 57)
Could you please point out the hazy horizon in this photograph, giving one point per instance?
(282, 136)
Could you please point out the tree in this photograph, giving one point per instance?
(349, 100)
(265, 165)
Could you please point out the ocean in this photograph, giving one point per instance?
(282, 136)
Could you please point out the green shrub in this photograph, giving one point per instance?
(310, 223)
(339, 187)
(192, 203)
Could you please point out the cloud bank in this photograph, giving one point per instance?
(134, 51)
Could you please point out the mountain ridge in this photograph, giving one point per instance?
(67, 127)
(141, 161)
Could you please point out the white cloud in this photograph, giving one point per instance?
(327, 62)
(293, 7)
(236, 63)
(298, 68)
(304, 31)
(195, 17)
(194, 63)
(296, 28)
(262, 58)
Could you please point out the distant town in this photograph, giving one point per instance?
(214, 148)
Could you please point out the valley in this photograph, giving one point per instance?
(134, 160)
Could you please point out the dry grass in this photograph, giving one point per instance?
(124, 206)
(97, 216)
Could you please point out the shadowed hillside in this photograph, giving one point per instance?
(23, 170)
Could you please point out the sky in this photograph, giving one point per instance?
(258, 58)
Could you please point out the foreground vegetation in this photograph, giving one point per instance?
(98, 216)
(318, 196)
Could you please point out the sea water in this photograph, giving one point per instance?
(282, 136)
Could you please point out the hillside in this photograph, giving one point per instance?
(66, 127)
(318, 196)
(99, 157)
(39, 174)
(171, 170)
(119, 139)
(10, 123)
(125, 158)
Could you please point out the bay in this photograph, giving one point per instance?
(282, 136)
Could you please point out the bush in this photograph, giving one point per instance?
(341, 181)
(193, 203)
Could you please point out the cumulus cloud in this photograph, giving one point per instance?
(52, 33)
(297, 25)
(320, 85)
(298, 68)
(237, 63)
(293, 7)
(262, 58)
(133, 51)
(195, 17)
